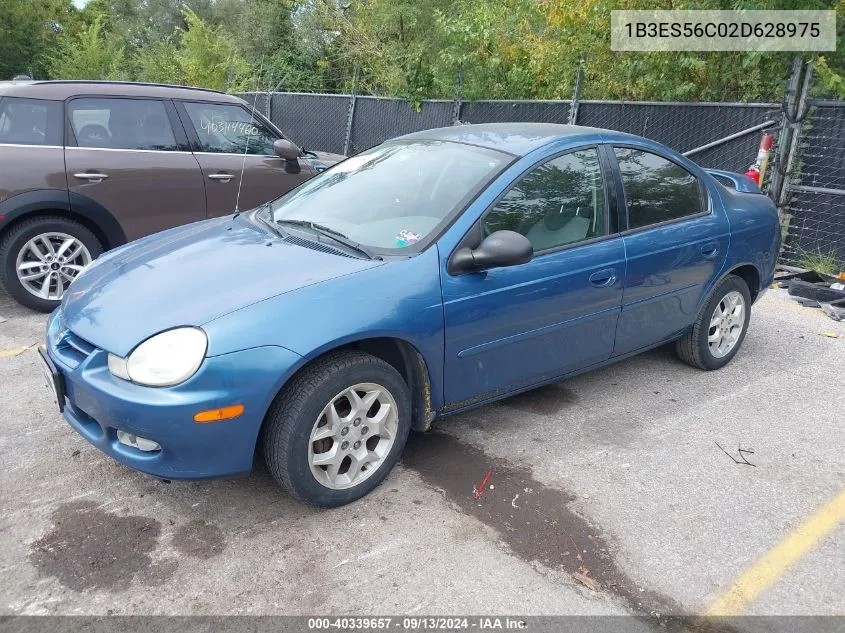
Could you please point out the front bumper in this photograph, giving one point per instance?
(98, 405)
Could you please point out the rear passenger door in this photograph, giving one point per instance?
(675, 244)
(131, 157)
(228, 138)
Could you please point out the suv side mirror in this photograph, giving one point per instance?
(289, 153)
(502, 248)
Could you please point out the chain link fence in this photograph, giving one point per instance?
(814, 210)
(715, 135)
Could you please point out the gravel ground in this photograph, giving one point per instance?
(614, 475)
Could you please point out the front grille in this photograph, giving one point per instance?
(74, 349)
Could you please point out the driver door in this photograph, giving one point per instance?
(228, 139)
(508, 328)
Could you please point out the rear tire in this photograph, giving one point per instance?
(330, 459)
(16, 252)
(720, 328)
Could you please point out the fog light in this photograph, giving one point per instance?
(141, 443)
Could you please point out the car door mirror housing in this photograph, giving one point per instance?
(289, 153)
(502, 248)
(285, 150)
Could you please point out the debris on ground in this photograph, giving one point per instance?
(743, 460)
(480, 488)
(3, 319)
(830, 334)
(583, 576)
(816, 290)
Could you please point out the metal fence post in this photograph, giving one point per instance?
(797, 125)
(576, 94)
(458, 102)
(776, 186)
(350, 115)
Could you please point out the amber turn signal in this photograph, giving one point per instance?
(215, 415)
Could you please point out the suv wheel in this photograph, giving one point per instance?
(39, 258)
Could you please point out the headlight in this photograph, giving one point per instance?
(163, 360)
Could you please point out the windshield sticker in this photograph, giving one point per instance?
(406, 238)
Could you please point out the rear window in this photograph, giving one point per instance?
(111, 123)
(30, 121)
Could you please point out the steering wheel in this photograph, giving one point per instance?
(92, 134)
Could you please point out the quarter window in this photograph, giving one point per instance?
(121, 124)
(656, 189)
(230, 129)
(558, 203)
(30, 121)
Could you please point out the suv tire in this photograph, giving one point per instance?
(48, 231)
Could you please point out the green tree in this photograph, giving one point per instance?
(92, 53)
(208, 58)
(29, 29)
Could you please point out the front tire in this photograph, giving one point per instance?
(337, 429)
(40, 257)
(720, 328)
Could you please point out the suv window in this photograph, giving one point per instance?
(656, 189)
(557, 203)
(121, 124)
(30, 121)
(230, 129)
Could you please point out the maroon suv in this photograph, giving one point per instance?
(87, 166)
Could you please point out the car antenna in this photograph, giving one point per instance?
(248, 134)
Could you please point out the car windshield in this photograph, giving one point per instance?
(394, 195)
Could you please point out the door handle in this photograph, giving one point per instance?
(710, 249)
(603, 278)
(221, 177)
(93, 176)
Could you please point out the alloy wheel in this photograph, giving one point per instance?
(49, 262)
(726, 324)
(353, 436)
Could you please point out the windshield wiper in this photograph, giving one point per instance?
(337, 236)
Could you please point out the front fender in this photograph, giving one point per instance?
(399, 300)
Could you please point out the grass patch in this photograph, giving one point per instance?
(821, 262)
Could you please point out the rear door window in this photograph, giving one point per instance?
(229, 129)
(30, 121)
(121, 124)
(656, 189)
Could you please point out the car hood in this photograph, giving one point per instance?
(189, 276)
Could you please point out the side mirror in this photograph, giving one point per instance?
(289, 153)
(502, 248)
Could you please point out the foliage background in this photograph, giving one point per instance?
(517, 49)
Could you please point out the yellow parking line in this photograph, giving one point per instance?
(762, 574)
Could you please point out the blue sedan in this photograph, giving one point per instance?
(433, 273)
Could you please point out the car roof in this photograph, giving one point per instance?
(61, 90)
(517, 138)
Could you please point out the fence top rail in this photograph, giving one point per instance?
(715, 104)
(827, 103)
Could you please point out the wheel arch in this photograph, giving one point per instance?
(58, 202)
(750, 275)
(400, 354)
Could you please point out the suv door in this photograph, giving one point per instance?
(131, 157)
(676, 243)
(507, 328)
(227, 138)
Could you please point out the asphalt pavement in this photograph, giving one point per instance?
(621, 491)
